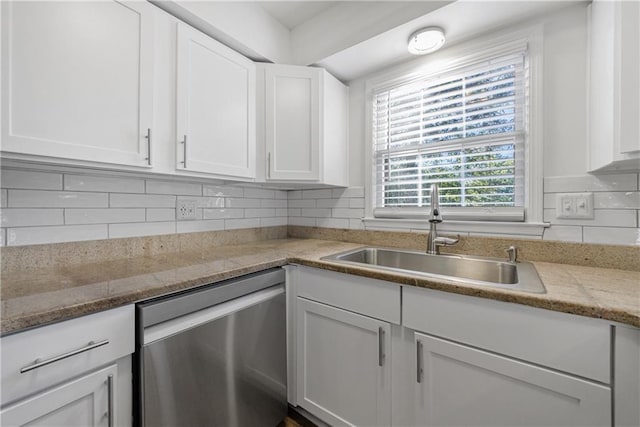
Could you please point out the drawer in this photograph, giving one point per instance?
(374, 298)
(568, 343)
(110, 332)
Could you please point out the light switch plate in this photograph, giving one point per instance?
(574, 206)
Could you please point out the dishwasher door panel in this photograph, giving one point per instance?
(228, 372)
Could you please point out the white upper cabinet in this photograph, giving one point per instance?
(215, 107)
(615, 86)
(305, 125)
(77, 80)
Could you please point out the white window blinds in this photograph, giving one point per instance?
(464, 130)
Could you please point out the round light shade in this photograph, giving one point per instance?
(426, 40)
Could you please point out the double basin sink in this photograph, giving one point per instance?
(492, 272)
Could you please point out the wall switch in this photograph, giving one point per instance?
(186, 209)
(574, 206)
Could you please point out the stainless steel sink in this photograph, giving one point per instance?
(521, 276)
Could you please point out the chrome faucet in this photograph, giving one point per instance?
(433, 240)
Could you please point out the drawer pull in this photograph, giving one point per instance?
(38, 363)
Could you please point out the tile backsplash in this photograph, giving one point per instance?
(616, 203)
(51, 207)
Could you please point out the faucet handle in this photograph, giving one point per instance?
(513, 254)
(446, 241)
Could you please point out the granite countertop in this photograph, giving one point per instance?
(35, 297)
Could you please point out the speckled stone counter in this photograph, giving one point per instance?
(34, 297)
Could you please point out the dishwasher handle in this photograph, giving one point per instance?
(188, 321)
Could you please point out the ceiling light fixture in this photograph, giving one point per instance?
(426, 40)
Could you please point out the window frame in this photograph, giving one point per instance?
(447, 60)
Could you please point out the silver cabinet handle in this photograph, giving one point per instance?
(419, 369)
(184, 151)
(269, 165)
(380, 346)
(148, 137)
(110, 400)
(40, 363)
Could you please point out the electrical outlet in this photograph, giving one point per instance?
(186, 209)
(574, 206)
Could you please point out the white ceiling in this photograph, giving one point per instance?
(293, 13)
(350, 38)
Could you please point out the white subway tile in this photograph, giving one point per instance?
(3, 237)
(141, 201)
(332, 222)
(258, 193)
(273, 203)
(172, 187)
(617, 200)
(305, 222)
(316, 194)
(294, 212)
(31, 217)
(602, 217)
(194, 226)
(56, 234)
(309, 203)
(317, 213)
(141, 229)
(259, 213)
(612, 235)
(161, 214)
(17, 179)
(356, 224)
(3, 198)
(242, 203)
(233, 224)
(222, 191)
(222, 213)
(348, 213)
(273, 222)
(332, 203)
(582, 183)
(103, 183)
(505, 235)
(281, 212)
(348, 192)
(564, 233)
(294, 194)
(56, 199)
(281, 194)
(103, 216)
(356, 203)
(205, 202)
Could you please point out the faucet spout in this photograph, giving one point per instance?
(433, 240)
(435, 216)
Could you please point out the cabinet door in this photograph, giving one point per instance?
(216, 107)
(86, 401)
(77, 80)
(457, 385)
(344, 374)
(293, 131)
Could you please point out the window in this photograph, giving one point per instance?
(464, 129)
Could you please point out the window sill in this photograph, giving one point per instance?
(530, 230)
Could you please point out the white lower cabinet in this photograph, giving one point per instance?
(72, 373)
(458, 385)
(344, 365)
(85, 401)
(457, 360)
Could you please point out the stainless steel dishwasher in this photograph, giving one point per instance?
(215, 356)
